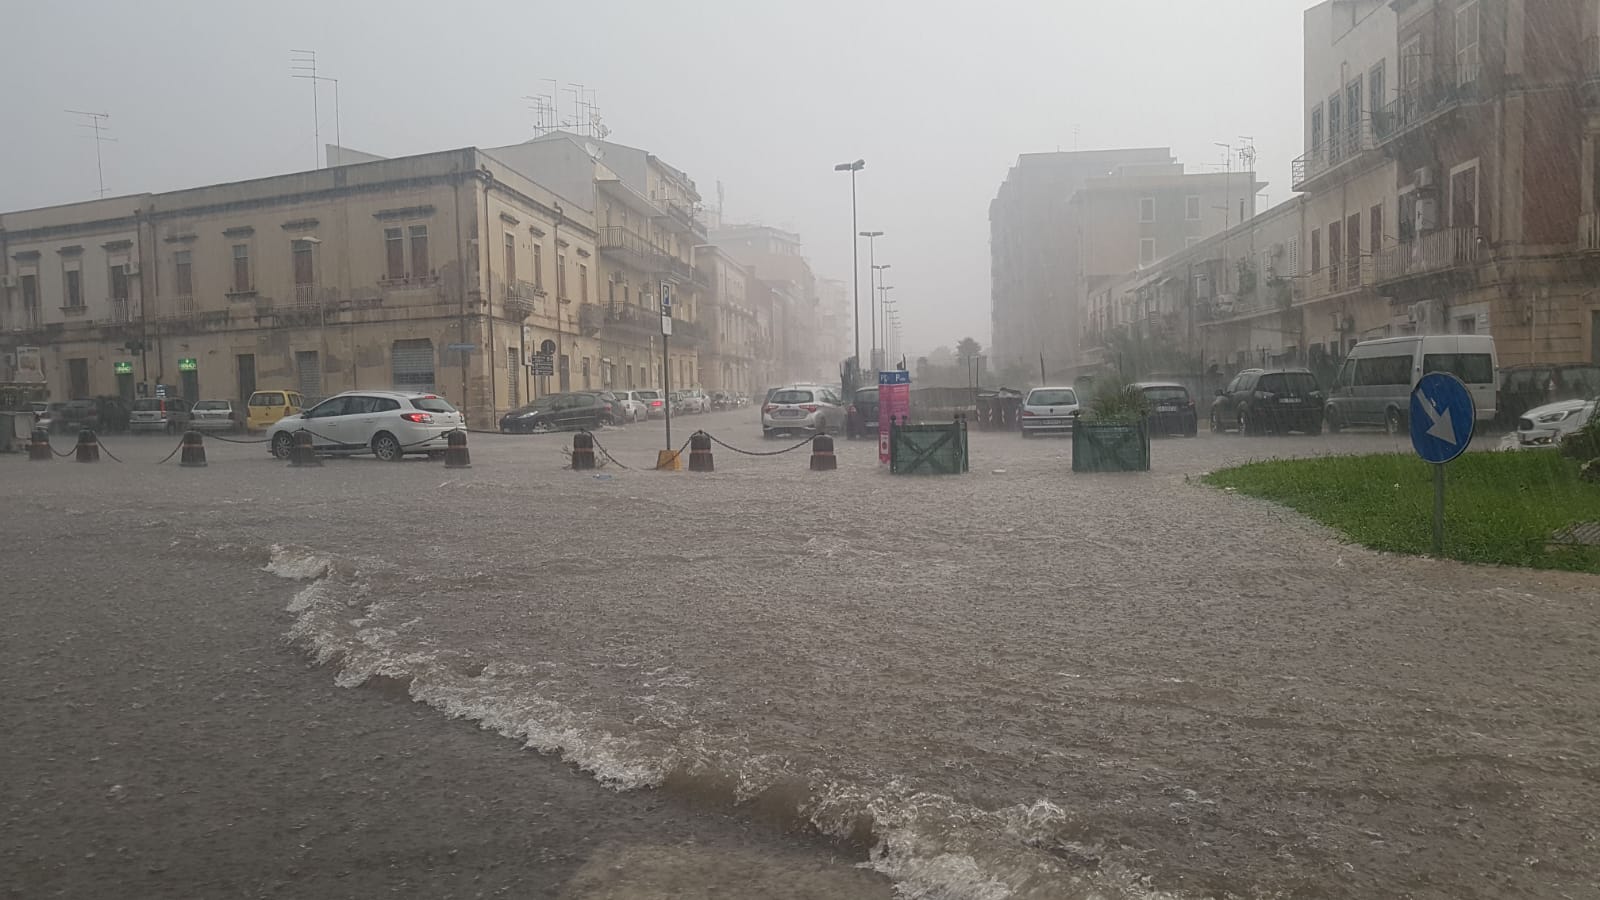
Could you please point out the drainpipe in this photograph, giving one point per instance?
(461, 279)
(486, 248)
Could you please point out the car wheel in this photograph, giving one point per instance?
(386, 447)
(1393, 422)
(282, 444)
(1216, 423)
(1246, 426)
(1331, 419)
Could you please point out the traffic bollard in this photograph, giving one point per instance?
(822, 458)
(88, 447)
(700, 453)
(303, 454)
(39, 448)
(194, 451)
(582, 451)
(455, 451)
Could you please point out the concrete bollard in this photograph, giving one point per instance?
(304, 453)
(822, 458)
(193, 455)
(88, 447)
(455, 451)
(700, 453)
(39, 447)
(582, 451)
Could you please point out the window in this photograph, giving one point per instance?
(1377, 87)
(511, 258)
(561, 275)
(1353, 96)
(304, 269)
(1335, 120)
(394, 253)
(585, 369)
(241, 268)
(1147, 251)
(119, 283)
(419, 251)
(1383, 370)
(513, 373)
(1467, 26)
(1376, 233)
(1316, 250)
(1147, 209)
(538, 265)
(183, 273)
(1472, 368)
(72, 283)
(30, 292)
(1406, 222)
(1352, 242)
(1316, 129)
(1335, 254)
(583, 283)
(1191, 209)
(1464, 197)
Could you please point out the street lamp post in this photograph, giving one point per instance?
(855, 248)
(872, 311)
(883, 313)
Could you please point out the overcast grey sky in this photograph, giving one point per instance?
(765, 95)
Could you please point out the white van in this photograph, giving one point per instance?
(1374, 385)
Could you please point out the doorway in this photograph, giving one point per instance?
(1594, 336)
(191, 386)
(77, 379)
(247, 376)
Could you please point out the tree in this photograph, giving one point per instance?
(967, 349)
(941, 358)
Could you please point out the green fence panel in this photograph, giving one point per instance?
(928, 449)
(1111, 447)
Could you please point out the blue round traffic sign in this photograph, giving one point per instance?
(1443, 417)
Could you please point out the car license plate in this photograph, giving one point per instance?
(790, 413)
(1288, 399)
(1166, 409)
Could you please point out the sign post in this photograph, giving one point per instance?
(894, 404)
(1443, 418)
(666, 361)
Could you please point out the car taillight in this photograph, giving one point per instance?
(418, 418)
(655, 402)
(769, 408)
(810, 407)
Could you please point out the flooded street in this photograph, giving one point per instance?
(1016, 683)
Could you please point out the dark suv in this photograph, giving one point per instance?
(1259, 401)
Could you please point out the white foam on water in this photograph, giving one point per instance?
(932, 846)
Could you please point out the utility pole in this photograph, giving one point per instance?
(96, 122)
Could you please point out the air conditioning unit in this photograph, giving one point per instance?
(132, 268)
(1423, 177)
(8, 281)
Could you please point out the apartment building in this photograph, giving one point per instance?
(775, 258)
(728, 361)
(1493, 130)
(435, 272)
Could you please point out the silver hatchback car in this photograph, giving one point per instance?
(803, 409)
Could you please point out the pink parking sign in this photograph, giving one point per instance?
(894, 404)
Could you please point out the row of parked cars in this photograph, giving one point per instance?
(573, 410)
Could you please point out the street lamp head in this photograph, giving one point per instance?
(856, 166)
(872, 234)
(882, 267)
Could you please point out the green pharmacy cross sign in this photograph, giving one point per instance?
(122, 368)
(188, 364)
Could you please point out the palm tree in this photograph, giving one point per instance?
(968, 349)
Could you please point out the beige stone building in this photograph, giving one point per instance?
(728, 362)
(437, 272)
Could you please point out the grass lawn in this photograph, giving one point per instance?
(1499, 507)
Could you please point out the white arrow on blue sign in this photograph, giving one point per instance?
(1443, 417)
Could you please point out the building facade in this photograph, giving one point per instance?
(728, 363)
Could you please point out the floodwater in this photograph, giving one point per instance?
(1016, 683)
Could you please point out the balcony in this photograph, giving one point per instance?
(1351, 275)
(1416, 106)
(1434, 252)
(518, 297)
(1340, 149)
(633, 248)
(119, 311)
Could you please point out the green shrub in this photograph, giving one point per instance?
(1113, 402)
(1583, 444)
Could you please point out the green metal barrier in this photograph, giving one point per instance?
(1111, 447)
(928, 449)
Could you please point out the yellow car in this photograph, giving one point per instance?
(267, 407)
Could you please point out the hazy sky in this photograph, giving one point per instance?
(764, 95)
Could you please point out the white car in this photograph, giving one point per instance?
(695, 400)
(803, 409)
(1049, 410)
(1546, 425)
(633, 406)
(387, 424)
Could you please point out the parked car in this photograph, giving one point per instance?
(862, 417)
(695, 400)
(633, 407)
(655, 403)
(1546, 426)
(387, 424)
(76, 414)
(110, 415)
(1374, 385)
(169, 414)
(557, 412)
(1172, 408)
(216, 415)
(722, 400)
(1523, 388)
(803, 408)
(265, 408)
(1048, 410)
(1259, 401)
(43, 416)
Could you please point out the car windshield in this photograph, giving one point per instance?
(1052, 397)
(793, 397)
(433, 404)
(649, 395)
(147, 405)
(1289, 383)
(1167, 394)
(213, 405)
(266, 400)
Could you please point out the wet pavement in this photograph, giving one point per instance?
(1019, 682)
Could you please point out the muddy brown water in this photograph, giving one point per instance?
(1016, 683)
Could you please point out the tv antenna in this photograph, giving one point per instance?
(95, 121)
(304, 65)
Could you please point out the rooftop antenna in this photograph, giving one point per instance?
(304, 65)
(96, 122)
